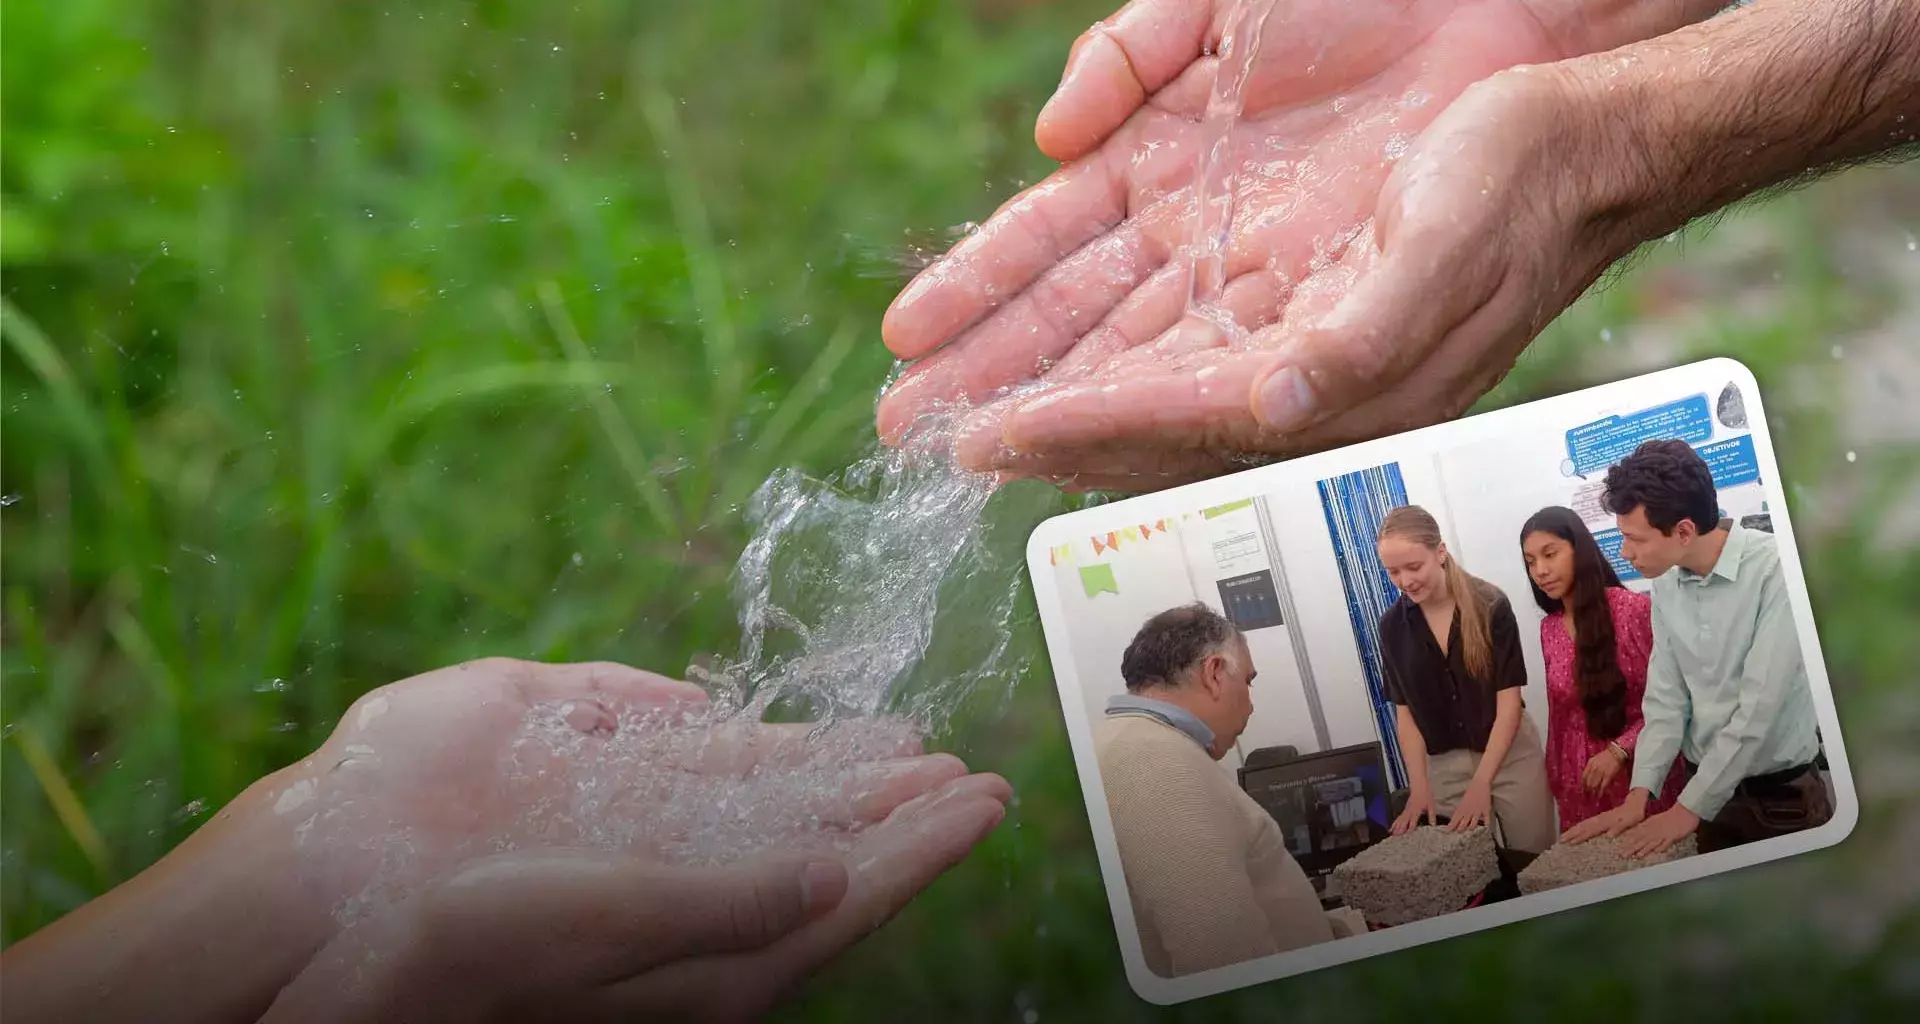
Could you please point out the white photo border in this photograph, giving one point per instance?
(1708, 376)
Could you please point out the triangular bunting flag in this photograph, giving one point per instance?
(1097, 548)
(1130, 533)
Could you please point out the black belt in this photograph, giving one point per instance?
(1760, 785)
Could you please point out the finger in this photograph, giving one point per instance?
(1199, 406)
(1029, 234)
(1151, 468)
(736, 748)
(1114, 66)
(1473, 359)
(1146, 314)
(870, 792)
(621, 686)
(1020, 341)
(893, 862)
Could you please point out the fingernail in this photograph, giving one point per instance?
(1285, 399)
(822, 884)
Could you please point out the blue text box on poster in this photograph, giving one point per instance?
(1609, 541)
(1597, 445)
(1733, 461)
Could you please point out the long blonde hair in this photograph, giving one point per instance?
(1416, 524)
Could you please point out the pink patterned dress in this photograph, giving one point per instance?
(1569, 747)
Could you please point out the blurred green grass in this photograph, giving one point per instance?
(347, 341)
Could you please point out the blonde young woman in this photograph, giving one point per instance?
(1450, 649)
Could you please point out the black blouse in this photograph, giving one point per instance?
(1453, 710)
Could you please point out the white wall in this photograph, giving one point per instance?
(1321, 624)
(1161, 572)
(1489, 491)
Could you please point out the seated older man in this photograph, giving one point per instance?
(1207, 871)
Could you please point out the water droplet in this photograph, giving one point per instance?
(9, 499)
(272, 686)
(1606, 335)
(1853, 456)
(286, 727)
(1838, 352)
(577, 560)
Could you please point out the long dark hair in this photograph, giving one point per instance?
(1596, 664)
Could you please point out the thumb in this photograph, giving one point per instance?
(1392, 321)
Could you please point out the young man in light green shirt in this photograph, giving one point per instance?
(1727, 687)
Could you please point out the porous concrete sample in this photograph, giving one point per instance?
(1572, 863)
(1424, 873)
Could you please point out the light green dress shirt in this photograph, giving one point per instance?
(1727, 685)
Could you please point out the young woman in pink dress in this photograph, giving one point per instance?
(1596, 660)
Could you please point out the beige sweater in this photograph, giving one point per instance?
(1208, 874)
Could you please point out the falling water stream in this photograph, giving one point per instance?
(1213, 200)
(871, 604)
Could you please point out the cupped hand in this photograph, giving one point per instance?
(1080, 285)
(494, 755)
(596, 935)
(1409, 212)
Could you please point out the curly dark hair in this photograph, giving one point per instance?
(1171, 643)
(1596, 663)
(1670, 481)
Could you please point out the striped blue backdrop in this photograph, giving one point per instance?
(1354, 505)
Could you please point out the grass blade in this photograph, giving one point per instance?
(619, 432)
(66, 803)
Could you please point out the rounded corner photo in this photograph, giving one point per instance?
(1470, 675)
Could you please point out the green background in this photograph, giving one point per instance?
(344, 341)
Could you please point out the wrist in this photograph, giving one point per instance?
(210, 931)
(1681, 125)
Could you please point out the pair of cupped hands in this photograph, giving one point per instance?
(1410, 207)
(1402, 227)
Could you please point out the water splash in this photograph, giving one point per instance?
(873, 604)
(844, 579)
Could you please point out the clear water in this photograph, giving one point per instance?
(1213, 181)
(873, 604)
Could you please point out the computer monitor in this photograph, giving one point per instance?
(1330, 805)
